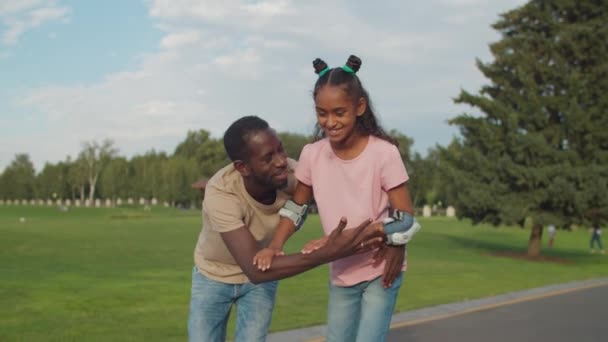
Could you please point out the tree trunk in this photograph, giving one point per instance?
(82, 193)
(535, 241)
(92, 193)
(92, 183)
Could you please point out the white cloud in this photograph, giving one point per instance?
(18, 17)
(220, 60)
(227, 11)
(9, 7)
(179, 39)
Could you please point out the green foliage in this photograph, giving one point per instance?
(209, 153)
(293, 143)
(53, 181)
(539, 149)
(427, 184)
(146, 176)
(18, 179)
(178, 173)
(114, 181)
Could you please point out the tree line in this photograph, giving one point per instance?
(99, 172)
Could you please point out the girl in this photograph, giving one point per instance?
(354, 169)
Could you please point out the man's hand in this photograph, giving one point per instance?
(394, 257)
(313, 245)
(263, 258)
(342, 243)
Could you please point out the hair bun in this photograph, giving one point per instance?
(354, 63)
(319, 65)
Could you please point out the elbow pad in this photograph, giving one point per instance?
(399, 221)
(400, 228)
(295, 212)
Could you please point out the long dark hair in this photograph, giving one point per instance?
(366, 124)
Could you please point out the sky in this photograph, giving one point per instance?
(144, 72)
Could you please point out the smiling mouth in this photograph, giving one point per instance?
(282, 174)
(334, 132)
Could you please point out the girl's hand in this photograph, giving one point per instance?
(263, 258)
(313, 245)
(394, 257)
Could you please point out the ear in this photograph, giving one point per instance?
(361, 106)
(242, 167)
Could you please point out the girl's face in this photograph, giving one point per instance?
(337, 113)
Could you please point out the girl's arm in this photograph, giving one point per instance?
(302, 195)
(399, 198)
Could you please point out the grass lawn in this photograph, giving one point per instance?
(124, 274)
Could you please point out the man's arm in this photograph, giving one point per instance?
(243, 247)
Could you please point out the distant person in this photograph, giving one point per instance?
(551, 232)
(596, 233)
(353, 169)
(240, 214)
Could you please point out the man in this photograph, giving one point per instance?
(551, 231)
(240, 214)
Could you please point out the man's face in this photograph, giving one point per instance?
(267, 161)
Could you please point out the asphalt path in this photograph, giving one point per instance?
(575, 311)
(579, 315)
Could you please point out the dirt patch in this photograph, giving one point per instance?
(524, 256)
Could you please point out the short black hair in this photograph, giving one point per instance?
(235, 138)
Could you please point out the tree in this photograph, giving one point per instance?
(178, 173)
(539, 149)
(208, 153)
(77, 177)
(18, 179)
(53, 181)
(146, 174)
(95, 156)
(427, 184)
(114, 179)
(293, 143)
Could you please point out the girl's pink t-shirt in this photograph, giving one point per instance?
(355, 189)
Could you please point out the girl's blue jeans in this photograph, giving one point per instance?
(363, 312)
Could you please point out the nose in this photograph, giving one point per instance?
(281, 160)
(331, 121)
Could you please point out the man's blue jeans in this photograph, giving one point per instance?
(210, 305)
(362, 312)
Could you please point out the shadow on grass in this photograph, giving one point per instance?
(493, 248)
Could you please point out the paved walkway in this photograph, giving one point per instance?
(564, 312)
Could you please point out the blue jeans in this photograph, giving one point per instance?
(361, 312)
(596, 237)
(210, 305)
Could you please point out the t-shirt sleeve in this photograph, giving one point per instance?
(223, 211)
(303, 170)
(393, 171)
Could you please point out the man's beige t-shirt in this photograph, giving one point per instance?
(227, 206)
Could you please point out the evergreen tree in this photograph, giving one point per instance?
(539, 149)
(18, 179)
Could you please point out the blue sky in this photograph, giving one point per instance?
(143, 73)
